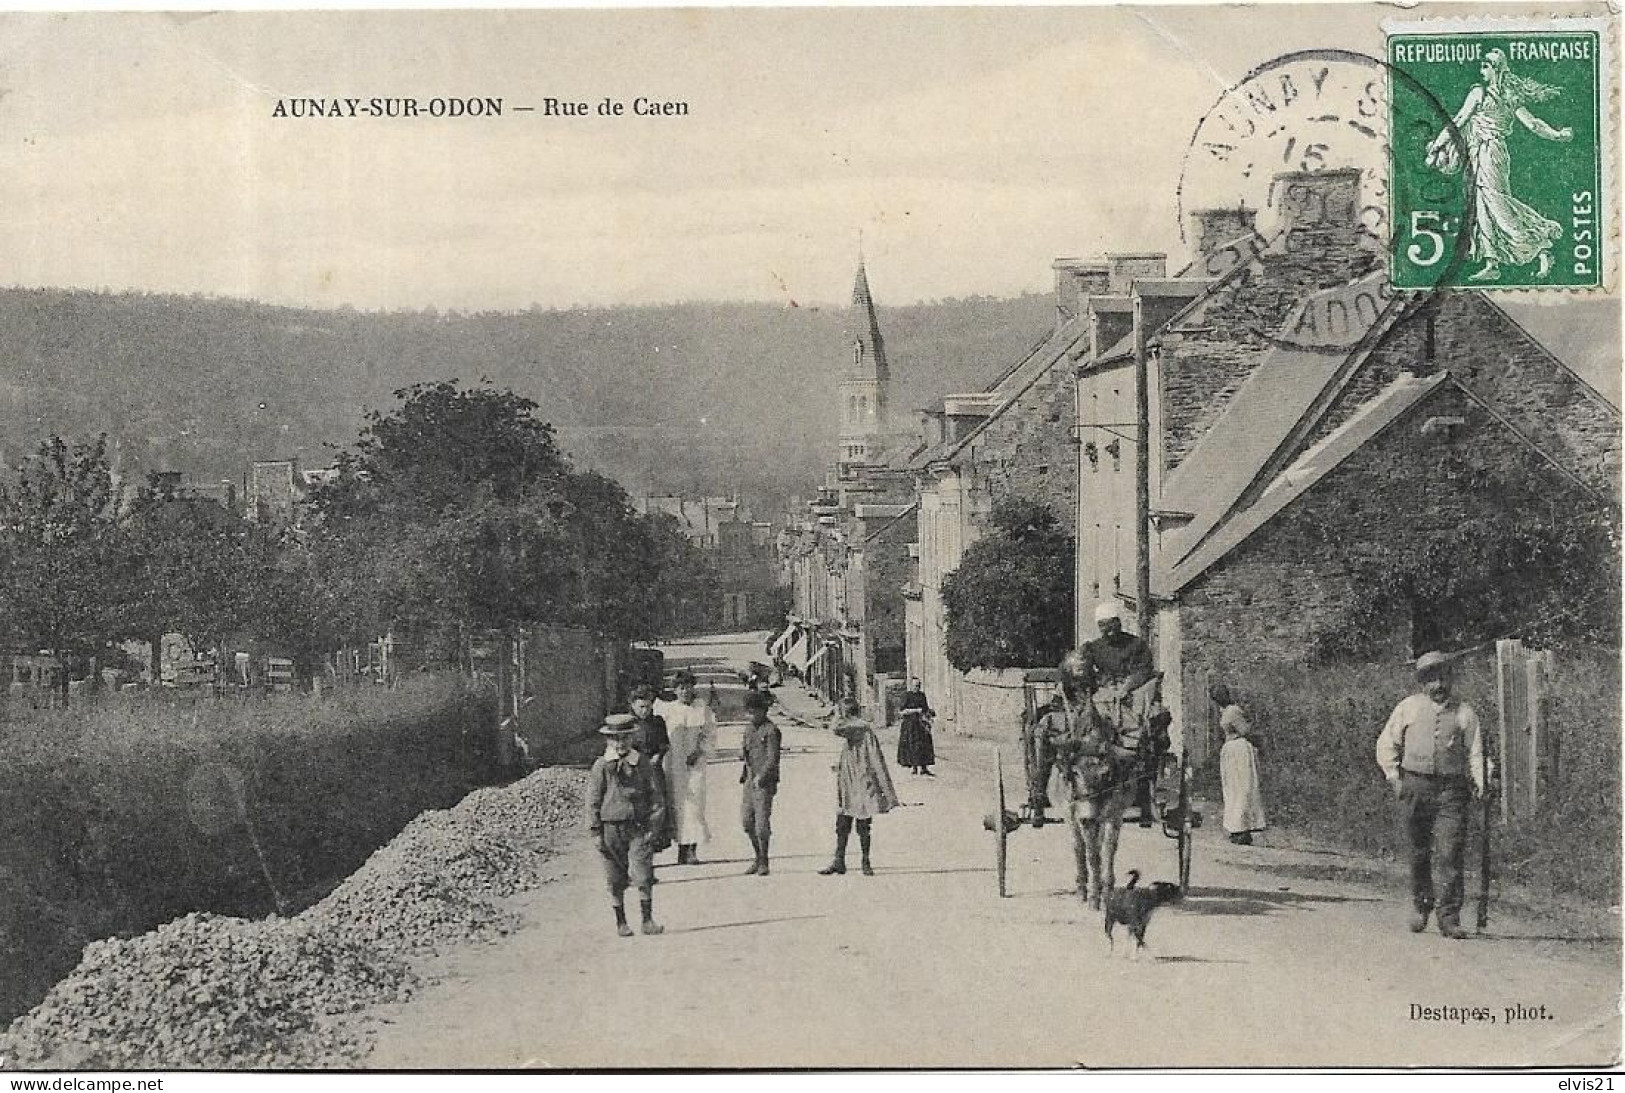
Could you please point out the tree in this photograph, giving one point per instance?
(442, 448)
(194, 567)
(457, 511)
(1010, 602)
(59, 547)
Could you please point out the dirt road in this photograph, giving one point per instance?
(922, 965)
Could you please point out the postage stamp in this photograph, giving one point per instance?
(1527, 134)
(1274, 143)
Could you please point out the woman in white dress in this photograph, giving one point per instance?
(693, 730)
(1505, 229)
(1238, 771)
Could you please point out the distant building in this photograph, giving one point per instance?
(276, 487)
(741, 550)
(185, 487)
(699, 518)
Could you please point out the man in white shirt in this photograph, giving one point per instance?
(1432, 753)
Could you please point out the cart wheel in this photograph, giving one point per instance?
(1185, 826)
(1000, 835)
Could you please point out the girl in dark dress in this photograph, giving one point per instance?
(915, 749)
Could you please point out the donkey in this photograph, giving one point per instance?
(1101, 761)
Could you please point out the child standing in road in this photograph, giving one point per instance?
(759, 778)
(626, 813)
(863, 787)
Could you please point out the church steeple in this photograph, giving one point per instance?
(869, 348)
(866, 382)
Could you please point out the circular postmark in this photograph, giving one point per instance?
(1294, 160)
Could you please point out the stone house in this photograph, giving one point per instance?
(1013, 439)
(1277, 456)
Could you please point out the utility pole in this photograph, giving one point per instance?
(1142, 477)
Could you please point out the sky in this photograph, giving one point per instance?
(962, 149)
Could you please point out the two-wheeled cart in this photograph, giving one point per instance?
(1169, 773)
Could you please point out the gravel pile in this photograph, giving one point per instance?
(211, 992)
(551, 801)
(433, 883)
(206, 991)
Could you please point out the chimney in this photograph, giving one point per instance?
(931, 426)
(1077, 279)
(1323, 203)
(1110, 320)
(1122, 269)
(1216, 227)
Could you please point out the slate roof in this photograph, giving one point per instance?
(1243, 442)
(1012, 385)
(1179, 570)
(868, 333)
(906, 514)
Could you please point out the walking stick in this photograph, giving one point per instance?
(1487, 804)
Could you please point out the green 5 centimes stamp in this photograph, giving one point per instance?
(1509, 192)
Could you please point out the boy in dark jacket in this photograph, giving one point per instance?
(759, 778)
(626, 813)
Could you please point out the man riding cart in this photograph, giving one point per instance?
(1108, 677)
(1102, 736)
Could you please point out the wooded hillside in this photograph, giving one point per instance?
(203, 385)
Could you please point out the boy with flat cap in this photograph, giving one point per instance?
(759, 779)
(626, 813)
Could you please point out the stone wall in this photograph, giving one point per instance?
(990, 707)
(1028, 450)
(1217, 346)
(1278, 595)
(887, 568)
(1496, 360)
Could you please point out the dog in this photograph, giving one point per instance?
(1133, 907)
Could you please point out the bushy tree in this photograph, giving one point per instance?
(188, 566)
(1010, 602)
(684, 585)
(458, 511)
(59, 549)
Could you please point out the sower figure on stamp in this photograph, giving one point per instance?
(1115, 666)
(693, 731)
(759, 778)
(626, 813)
(1432, 753)
(1505, 229)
